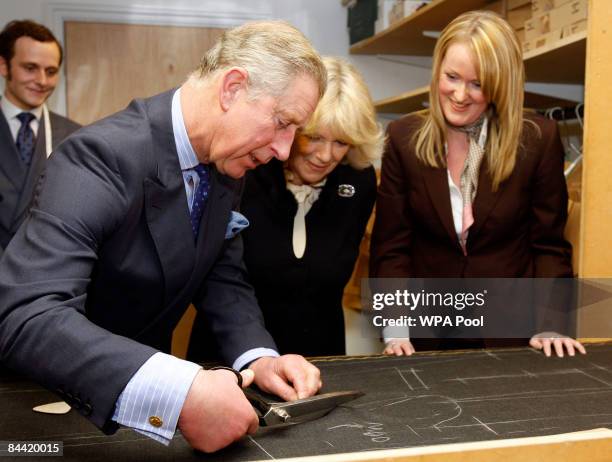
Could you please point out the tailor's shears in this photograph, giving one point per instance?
(276, 414)
(272, 413)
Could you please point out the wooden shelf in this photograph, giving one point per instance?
(405, 103)
(540, 101)
(417, 99)
(406, 36)
(560, 62)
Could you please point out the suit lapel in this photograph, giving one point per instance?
(214, 220)
(436, 183)
(485, 199)
(38, 161)
(167, 214)
(11, 165)
(166, 208)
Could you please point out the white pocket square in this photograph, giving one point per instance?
(236, 224)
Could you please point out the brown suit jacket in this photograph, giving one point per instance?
(517, 230)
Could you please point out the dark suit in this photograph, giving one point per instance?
(17, 181)
(102, 270)
(301, 299)
(517, 230)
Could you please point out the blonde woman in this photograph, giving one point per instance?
(307, 217)
(474, 186)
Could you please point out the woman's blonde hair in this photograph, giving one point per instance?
(499, 64)
(347, 111)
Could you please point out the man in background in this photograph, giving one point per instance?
(30, 58)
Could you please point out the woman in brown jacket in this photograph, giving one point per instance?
(473, 187)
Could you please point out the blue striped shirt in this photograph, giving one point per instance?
(186, 155)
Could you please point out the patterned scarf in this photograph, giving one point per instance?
(477, 135)
(305, 195)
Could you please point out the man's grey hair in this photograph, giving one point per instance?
(272, 52)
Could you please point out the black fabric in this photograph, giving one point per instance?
(426, 399)
(301, 298)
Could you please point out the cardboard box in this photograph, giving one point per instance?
(396, 13)
(537, 26)
(403, 8)
(517, 16)
(411, 6)
(570, 13)
(558, 3)
(512, 4)
(542, 6)
(548, 39)
(542, 40)
(539, 7)
(384, 7)
(574, 28)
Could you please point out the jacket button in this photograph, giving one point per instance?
(87, 409)
(156, 421)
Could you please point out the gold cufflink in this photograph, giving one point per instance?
(155, 421)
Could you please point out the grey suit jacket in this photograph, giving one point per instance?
(104, 267)
(17, 181)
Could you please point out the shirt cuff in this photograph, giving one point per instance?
(152, 400)
(395, 332)
(251, 355)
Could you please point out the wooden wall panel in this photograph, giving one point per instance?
(596, 223)
(108, 65)
(596, 255)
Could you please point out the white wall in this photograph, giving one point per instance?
(322, 21)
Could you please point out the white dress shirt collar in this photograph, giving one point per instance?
(11, 111)
(186, 154)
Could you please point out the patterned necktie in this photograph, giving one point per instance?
(199, 198)
(25, 137)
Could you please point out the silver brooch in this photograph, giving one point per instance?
(346, 190)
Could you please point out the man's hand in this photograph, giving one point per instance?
(544, 341)
(290, 377)
(216, 412)
(399, 347)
